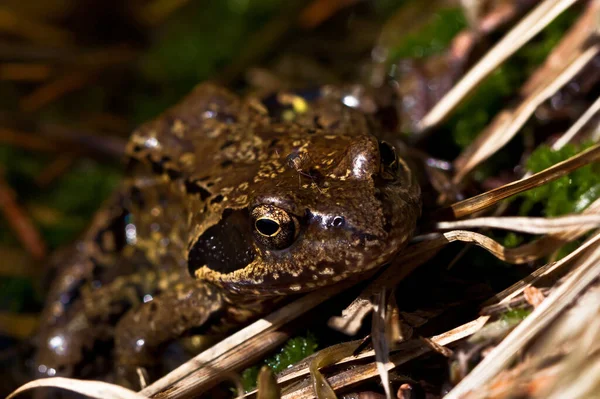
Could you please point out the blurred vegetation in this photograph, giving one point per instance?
(433, 37)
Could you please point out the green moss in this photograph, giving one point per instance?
(294, 350)
(568, 248)
(475, 114)
(433, 37)
(512, 240)
(491, 96)
(569, 194)
(515, 315)
(194, 45)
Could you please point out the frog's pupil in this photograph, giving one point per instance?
(267, 227)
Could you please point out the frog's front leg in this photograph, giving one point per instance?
(144, 330)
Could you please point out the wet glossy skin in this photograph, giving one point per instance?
(228, 206)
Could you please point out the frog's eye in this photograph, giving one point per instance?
(273, 227)
(388, 159)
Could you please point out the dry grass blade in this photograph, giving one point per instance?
(413, 349)
(519, 255)
(20, 222)
(156, 11)
(501, 356)
(93, 389)
(567, 59)
(24, 72)
(198, 373)
(546, 270)
(34, 30)
(53, 90)
(578, 125)
(489, 198)
(379, 337)
(562, 362)
(26, 140)
(529, 26)
(531, 225)
(578, 330)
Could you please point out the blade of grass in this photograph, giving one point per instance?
(501, 356)
(93, 389)
(577, 126)
(529, 26)
(530, 225)
(489, 198)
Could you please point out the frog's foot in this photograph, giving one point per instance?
(144, 330)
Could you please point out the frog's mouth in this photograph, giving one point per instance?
(225, 247)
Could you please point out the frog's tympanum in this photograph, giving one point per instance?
(228, 205)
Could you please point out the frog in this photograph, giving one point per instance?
(229, 205)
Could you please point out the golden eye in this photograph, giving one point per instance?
(274, 228)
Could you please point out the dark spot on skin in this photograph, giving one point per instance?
(273, 143)
(116, 227)
(316, 176)
(135, 195)
(226, 163)
(218, 199)
(317, 123)
(158, 167)
(173, 174)
(195, 188)
(224, 247)
(131, 164)
(210, 184)
(226, 144)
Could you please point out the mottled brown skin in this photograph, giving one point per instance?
(227, 209)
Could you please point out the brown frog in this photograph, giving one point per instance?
(228, 207)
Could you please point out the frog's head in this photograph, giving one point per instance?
(318, 211)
